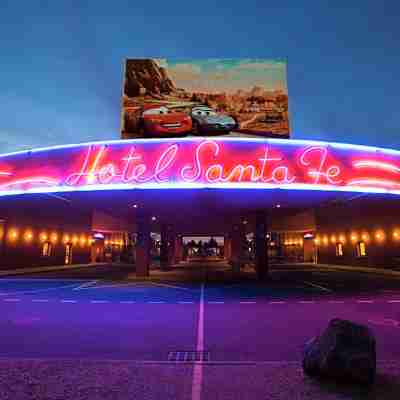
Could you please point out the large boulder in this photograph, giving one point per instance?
(146, 77)
(344, 351)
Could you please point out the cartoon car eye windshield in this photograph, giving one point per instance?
(155, 111)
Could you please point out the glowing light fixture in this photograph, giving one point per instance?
(54, 237)
(365, 236)
(28, 236)
(380, 235)
(13, 234)
(43, 236)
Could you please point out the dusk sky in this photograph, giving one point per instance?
(61, 62)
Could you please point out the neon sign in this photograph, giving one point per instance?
(200, 162)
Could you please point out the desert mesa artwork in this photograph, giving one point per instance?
(177, 98)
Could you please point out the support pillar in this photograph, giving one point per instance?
(178, 249)
(167, 247)
(171, 246)
(261, 249)
(143, 243)
(164, 248)
(227, 247)
(236, 247)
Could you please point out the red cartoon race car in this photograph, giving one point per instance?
(160, 121)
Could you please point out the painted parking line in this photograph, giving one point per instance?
(40, 300)
(168, 286)
(185, 302)
(215, 302)
(322, 288)
(116, 285)
(365, 301)
(99, 301)
(393, 301)
(155, 302)
(86, 285)
(197, 379)
(385, 322)
(12, 300)
(336, 301)
(277, 302)
(306, 302)
(41, 290)
(69, 301)
(127, 302)
(247, 302)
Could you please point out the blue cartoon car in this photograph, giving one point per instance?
(206, 121)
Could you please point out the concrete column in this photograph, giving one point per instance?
(261, 249)
(227, 247)
(171, 246)
(178, 249)
(143, 243)
(236, 246)
(167, 251)
(164, 247)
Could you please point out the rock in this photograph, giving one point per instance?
(344, 351)
(145, 77)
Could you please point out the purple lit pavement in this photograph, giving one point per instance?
(87, 333)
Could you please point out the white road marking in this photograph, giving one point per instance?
(306, 302)
(393, 301)
(86, 285)
(40, 300)
(198, 367)
(68, 301)
(185, 302)
(365, 301)
(215, 302)
(324, 289)
(169, 286)
(99, 301)
(156, 302)
(277, 302)
(38, 280)
(111, 285)
(12, 300)
(247, 302)
(42, 290)
(336, 301)
(385, 322)
(127, 302)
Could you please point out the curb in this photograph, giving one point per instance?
(358, 269)
(23, 271)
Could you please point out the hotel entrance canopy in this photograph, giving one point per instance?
(200, 176)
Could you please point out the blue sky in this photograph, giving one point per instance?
(61, 62)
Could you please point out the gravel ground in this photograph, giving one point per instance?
(78, 380)
(81, 380)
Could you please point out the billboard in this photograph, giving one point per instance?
(232, 97)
